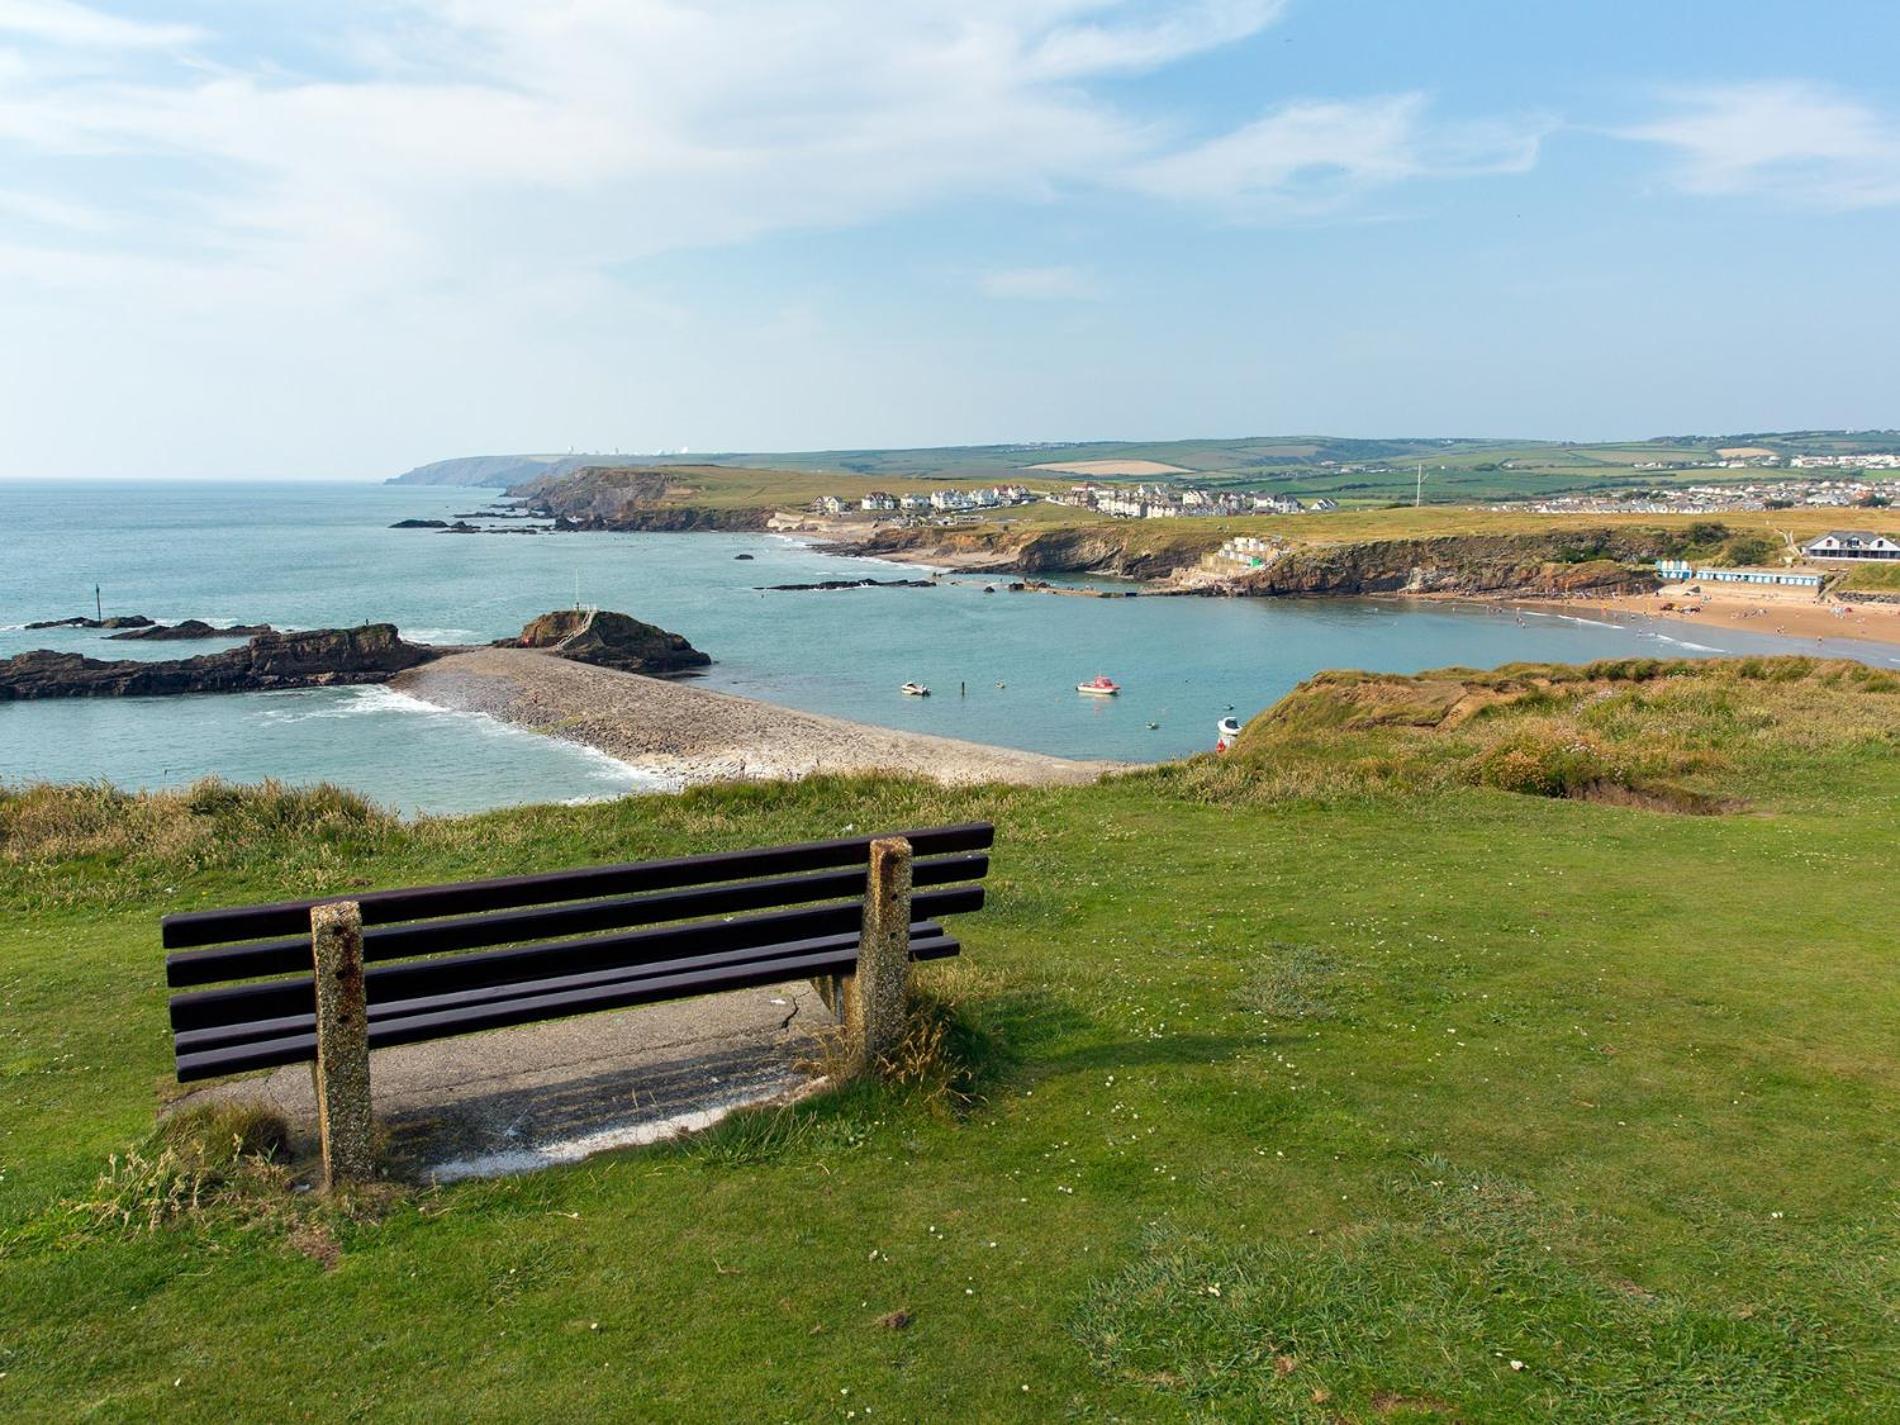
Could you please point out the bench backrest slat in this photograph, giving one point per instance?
(189, 929)
(273, 998)
(396, 942)
(210, 1036)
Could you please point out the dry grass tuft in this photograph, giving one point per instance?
(221, 1156)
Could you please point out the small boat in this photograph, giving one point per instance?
(1100, 686)
(1229, 728)
(915, 690)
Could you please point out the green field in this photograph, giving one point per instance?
(1486, 1047)
(1456, 470)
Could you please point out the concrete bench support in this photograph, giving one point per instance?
(884, 950)
(342, 1067)
(871, 1002)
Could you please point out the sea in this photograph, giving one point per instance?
(1002, 667)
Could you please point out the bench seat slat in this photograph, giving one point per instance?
(189, 929)
(301, 1048)
(238, 1032)
(280, 957)
(273, 999)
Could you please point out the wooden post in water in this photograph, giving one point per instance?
(342, 1072)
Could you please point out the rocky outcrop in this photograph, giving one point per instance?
(610, 640)
(116, 621)
(650, 498)
(317, 658)
(186, 630)
(421, 524)
(1545, 564)
(828, 584)
(1125, 551)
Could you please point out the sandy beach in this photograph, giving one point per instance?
(1793, 612)
(690, 735)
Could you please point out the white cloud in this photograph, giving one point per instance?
(1040, 284)
(63, 22)
(488, 175)
(1168, 33)
(480, 135)
(1788, 140)
(1310, 157)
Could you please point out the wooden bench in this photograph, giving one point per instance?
(457, 959)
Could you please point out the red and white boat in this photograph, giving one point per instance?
(1100, 686)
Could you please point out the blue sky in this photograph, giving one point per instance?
(338, 239)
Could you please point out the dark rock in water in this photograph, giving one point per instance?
(420, 524)
(188, 629)
(850, 584)
(316, 658)
(116, 621)
(610, 640)
(742, 556)
(462, 526)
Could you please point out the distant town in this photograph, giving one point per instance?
(1117, 501)
(1730, 498)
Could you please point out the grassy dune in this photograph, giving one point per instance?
(1419, 1060)
(1872, 578)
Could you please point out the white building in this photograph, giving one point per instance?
(1852, 544)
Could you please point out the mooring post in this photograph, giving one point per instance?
(874, 998)
(343, 1106)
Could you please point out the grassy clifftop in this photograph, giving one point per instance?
(1677, 735)
(1377, 1071)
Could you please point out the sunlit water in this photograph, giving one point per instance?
(1003, 667)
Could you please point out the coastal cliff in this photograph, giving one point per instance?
(318, 658)
(1119, 549)
(633, 498)
(1539, 563)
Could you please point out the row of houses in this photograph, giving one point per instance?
(930, 502)
(1874, 460)
(1153, 502)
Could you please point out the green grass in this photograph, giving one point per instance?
(1871, 578)
(1321, 1082)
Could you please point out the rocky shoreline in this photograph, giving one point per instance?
(319, 658)
(330, 657)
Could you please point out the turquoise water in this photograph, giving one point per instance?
(321, 555)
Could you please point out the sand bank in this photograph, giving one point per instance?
(1758, 609)
(689, 735)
